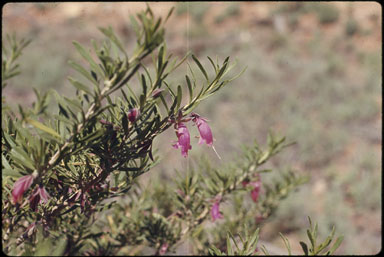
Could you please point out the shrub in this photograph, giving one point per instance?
(70, 182)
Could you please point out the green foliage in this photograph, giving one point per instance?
(248, 246)
(319, 249)
(11, 52)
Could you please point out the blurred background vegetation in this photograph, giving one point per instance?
(313, 74)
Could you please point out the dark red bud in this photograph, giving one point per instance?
(133, 114)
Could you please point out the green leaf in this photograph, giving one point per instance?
(135, 26)
(189, 88)
(42, 127)
(144, 84)
(213, 64)
(286, 242)
(179, 96)
(10, 173)
(80, 86)
(326, 242)
(304, 247)
(142, 101)
(124, 123)
(200, 67)
(4, 162)
(311, 239)
(9, 140)
(264, 250)
(160, 58)
(169, 14)
(88, 58)
(22, 157)
(229, 246)
(170, 89)
(336, 245)
(83, 71)
(111, 35)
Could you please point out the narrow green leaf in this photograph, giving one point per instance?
(200, 67)
(213, 64)
(160, 58)
(111, 35)
(135, 25)
(326, 242)
(157, 25)
(9, 172)
(164, 102)
(170, 89)
(229, 246)
(124, 123)
(144, 84)
(87, 57)
(80, 86)
(22, 158)
(234, 241)
(5, 162)
(304, 247)
(286, 243)
(264, 250)
(83, 71)
(223, 68)
(142, 101)
(179, 96)
(311, 239)
(169, 14)
(189, 88)
(336, 245)
(42, 127)
(9, 140)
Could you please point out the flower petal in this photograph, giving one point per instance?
(204, 130)
(184, 139)
(20, 186)
(215, 212)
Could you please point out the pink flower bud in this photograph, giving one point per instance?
(184, 139)
(20, 186)
(215, 212)
(256, 190)
(133, 114)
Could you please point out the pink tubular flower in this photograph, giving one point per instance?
(215, 212)
(20, 186)
(256, 190)
(133, 114)
(204, 129)
(184, 139)
(39, 196)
